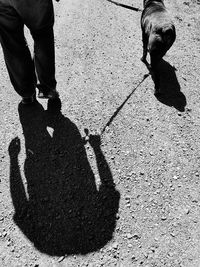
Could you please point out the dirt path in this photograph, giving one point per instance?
(68, 212)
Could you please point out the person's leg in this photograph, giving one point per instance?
(38, 16)
(44, 57)
(17, 56)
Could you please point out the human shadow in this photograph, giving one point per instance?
(169, 88)
(62, 212)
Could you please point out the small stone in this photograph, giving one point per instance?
(9, 243)
(117, 216)
(4, 233)
(136, 236)
(194, 200)
(133, 258)
(115, 245)
(61, 258)
(186, 211)
(87, 138)
(129, 236)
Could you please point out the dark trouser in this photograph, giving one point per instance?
(23, 70)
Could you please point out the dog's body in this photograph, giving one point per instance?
(158, 33)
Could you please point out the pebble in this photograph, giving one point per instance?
(87, 138)
(186, 211)
(61, 258)
(4, 233)
(115, 245)
(117, 216)
(133, 258)
(194, 200)
(136, 236)
(129, 236)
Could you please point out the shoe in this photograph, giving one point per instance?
(28, 100)
(53, 94)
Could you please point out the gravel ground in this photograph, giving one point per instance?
(129, 196)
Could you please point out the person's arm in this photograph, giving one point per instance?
(16, 185)
(102, 165)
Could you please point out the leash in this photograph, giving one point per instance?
(125, 6)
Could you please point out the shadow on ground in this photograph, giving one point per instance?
(62, 212)
(170, 91)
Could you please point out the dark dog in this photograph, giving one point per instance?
(158, 35)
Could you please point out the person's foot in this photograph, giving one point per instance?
(53, 94)
(28, 100)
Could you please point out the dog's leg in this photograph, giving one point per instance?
(145, 44)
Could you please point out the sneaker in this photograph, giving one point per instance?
(28, 100)
(50, 95)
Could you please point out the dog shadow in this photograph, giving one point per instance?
(58, 206)
(169, 88)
